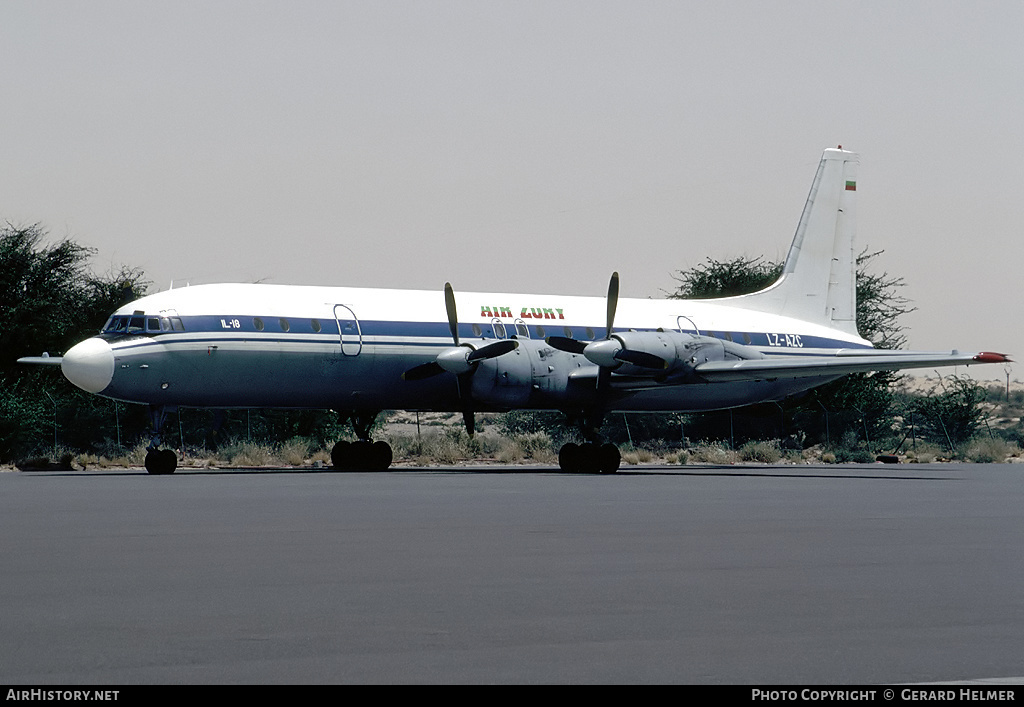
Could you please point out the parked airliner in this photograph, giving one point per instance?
(362, 351)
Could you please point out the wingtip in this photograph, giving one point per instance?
(992, 357)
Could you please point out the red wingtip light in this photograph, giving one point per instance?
(990, 357)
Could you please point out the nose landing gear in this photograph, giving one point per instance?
(159, 461)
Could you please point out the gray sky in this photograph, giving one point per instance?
(521, 146)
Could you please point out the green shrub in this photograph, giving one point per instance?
(765, 452)
(988, 450)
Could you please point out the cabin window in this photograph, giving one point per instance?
(568, 332)
(590, 333)
(316, 325)
(522, 331)
(746, 338)
(728, 336)
(285, 326)
(477, 331)
(540, 332)
(499, 330)
(258, 323)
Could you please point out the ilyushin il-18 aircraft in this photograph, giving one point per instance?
(361, 351)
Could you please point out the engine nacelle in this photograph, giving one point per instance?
(535, 374)
(504, 381)
(681, 352)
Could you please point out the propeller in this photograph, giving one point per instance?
(608, 353)
(461, 360)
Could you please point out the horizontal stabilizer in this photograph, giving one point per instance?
(41, 360)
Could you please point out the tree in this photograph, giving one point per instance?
(728, 278)
(49, 300)
(860, 403)
(952, 414)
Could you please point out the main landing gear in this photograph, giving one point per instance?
(362, 455)
(593, 456)
(589, 458)
(159, 461)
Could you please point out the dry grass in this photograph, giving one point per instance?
(761, 452)
(985, 450)
(446, 443)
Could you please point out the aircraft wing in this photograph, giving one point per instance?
(842, 363)
(41, 360)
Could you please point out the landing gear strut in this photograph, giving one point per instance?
(159, 461)
(362, 455)
(593, 456)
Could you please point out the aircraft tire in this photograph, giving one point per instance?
(569, 457)
(608, 458)
(361, 456)
(161, 461)
(380, 456)
(340, 456)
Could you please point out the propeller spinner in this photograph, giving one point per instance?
(609, 352)
(461, 360)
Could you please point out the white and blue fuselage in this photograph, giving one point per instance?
(242, 345)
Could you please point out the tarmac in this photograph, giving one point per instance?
(838, 574)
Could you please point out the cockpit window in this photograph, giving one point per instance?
(116, 325)
(141, 324)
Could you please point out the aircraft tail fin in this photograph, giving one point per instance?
(818, 282)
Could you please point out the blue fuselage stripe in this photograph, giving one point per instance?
(216, 329)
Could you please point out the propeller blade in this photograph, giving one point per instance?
(613, 302)
(470, 421)
(642, 359)
(425, 370)
(453, 317)
(564, 343)
(493, 350)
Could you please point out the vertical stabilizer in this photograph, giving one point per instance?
(818, 282)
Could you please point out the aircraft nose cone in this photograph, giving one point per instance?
(89, 365)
